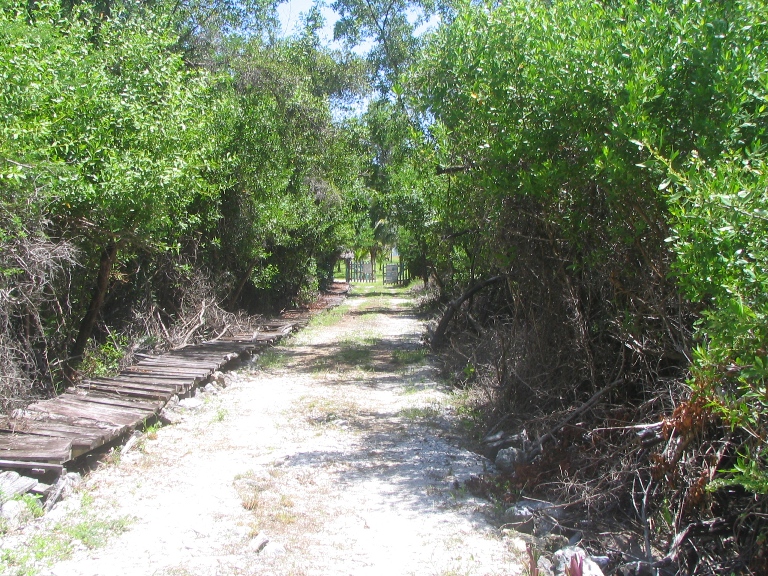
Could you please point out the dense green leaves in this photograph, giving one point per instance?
(588, 145)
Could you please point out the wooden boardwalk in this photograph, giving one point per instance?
(50, 433)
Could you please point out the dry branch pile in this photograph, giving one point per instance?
(620, 443)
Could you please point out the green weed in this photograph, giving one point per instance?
(271, 359)
(43, 550)
(104, 360)
(405, 357)
(221, 414)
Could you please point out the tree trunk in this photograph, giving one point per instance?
(108, 257)
(453, 306)
(241, 284)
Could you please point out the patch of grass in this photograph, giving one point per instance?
(355, 355)
(221, 414)
(113, 457)
(250, 500)
(469, 412)
(32, 505)
(271, 359)
(104, 359)
(283, 517)
(151, 430)
(43, 550)
(92, 532)
(419, 413)
(249, 488)
(328, 317)
(322, 411)
(410, 389)
(405, 357)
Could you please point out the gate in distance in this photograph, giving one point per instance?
(366, 272)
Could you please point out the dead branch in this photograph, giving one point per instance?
(580, 410)
(453, 306)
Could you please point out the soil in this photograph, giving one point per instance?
(339, 452)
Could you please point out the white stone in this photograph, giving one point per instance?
(191, 403)
(13, 512)
(562, 560)
(273, 549)
(508, 458)
(258, 542)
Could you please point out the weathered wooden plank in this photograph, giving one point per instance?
(268, 336)
(125, 419)
(84, 438)
(99, 409)
(174, 364)
(35, 469)
(165, 389)
(36, 448)
(173, 371)
(220, 358)
(162, 380)
(119, 393)
(168, 368)
(152, 404)
(207, 362)
(199, 358)
(12, 483)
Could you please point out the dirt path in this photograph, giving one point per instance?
(340, 454)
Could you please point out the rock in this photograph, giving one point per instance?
(553, 542)
(61, 510)
(523, 517)
(500, 440)
(64, 487)
(219, 378)
(12, 484)
(191, 403)
(564, 558)
(211, 389)
(508, 458)
(169, 416)
(173, 401)
(602, 561)
(13, 512)
(258, 542)
(273, 550)
(544, 566)
(131, 443)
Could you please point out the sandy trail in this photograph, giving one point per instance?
(342, 455)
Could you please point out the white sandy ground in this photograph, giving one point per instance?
(347, 462)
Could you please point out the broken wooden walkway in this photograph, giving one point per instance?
(50, 433)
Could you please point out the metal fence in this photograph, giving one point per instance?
(360, 272)
(396, 273)
(366, 272)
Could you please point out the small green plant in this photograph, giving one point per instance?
(114, 456)
(151, 430)
(221, 414)
(93, 533)
(404, 357)
(104, 360)
(42, 550)
(32, 503)
(271, 359)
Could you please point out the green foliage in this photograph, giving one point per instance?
(104, 359)
(592, 144)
